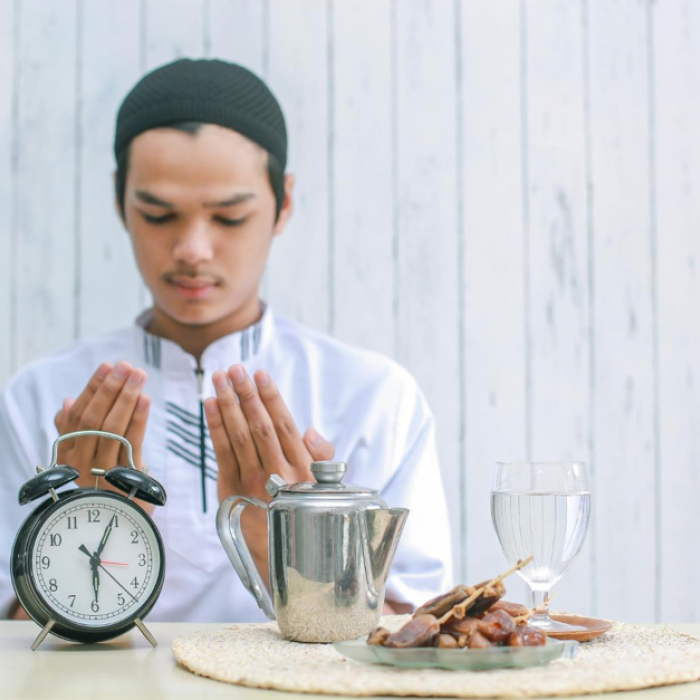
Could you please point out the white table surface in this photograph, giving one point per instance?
(129, 669)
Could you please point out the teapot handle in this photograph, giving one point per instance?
(228, 525)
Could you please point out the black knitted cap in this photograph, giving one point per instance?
(206, 91)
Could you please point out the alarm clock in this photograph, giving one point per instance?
(88, 564)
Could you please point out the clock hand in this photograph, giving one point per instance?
(118, 584)
(94, 563)
(105, 536)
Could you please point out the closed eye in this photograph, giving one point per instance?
(151, 219)
(229, 222)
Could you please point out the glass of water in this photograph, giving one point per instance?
(541, 509)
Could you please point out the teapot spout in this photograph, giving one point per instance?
(382, 533)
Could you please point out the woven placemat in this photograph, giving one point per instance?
(628, 657)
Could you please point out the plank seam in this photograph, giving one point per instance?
(459, 135)
(77, 197)
(14, 169)
(330, 160)
(526, 227)
(143, 63)
(395, 179)
(206, 27)
(266, 38)
(590, 231)
(653, 245)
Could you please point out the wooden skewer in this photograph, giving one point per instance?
(477, 593)
(537, 609)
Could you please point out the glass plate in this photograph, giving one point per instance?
(458, 659)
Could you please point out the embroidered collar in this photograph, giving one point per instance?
(240, 346)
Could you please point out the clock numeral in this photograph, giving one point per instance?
(142, 559)
(135, 582)
(95, 607)
(120, 599)
(94, 516)
(72, 522)
(53, 586)
(55, 540)
(72, 603)
(45, 562)
(115, 518)
(134, 537)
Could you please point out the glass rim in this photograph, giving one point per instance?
(522, 462)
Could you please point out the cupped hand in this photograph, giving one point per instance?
(112, 401)
(255, 436)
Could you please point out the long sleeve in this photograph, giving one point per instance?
(422, 566)
(19, 454)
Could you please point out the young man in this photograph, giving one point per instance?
(201, 150)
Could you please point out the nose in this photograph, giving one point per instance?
(194, 245)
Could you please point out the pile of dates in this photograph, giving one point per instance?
(459, 620)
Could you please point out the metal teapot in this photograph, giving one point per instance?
(330, 549)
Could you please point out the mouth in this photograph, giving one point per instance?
(193, 287)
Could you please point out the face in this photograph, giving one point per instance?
(201, 214)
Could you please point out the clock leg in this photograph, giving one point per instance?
(145, 632)
(42, 635)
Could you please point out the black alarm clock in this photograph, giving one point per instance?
(88, 564)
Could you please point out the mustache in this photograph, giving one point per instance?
(191, 274)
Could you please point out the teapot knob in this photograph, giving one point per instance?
(328, 471)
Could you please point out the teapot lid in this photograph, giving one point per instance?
(329, 477)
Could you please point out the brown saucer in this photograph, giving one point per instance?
(595, 627)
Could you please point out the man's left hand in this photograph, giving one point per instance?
(255, 436)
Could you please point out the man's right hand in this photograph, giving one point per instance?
(112, 401)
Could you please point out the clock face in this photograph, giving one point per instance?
(96, 560)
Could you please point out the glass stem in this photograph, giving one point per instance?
(539, 600)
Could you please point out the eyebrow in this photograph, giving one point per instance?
(149, 198)
(236, 199)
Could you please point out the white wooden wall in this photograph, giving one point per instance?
(504, 196)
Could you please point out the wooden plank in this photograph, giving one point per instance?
(110, 285)
(173, 29)
(46, 220)
(362, 175)
(623, 410)
(676, 51)
(299, 266)
(8, 97)
(493, 278)
(234, 31)
(426, 230)
(558, 346)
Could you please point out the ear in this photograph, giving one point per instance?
(287, 205)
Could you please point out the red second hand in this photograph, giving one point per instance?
(114, 563)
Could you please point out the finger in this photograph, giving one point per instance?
(319, 448)
(79, 405)
(261, 426)
(135, 435)
(62, 415)
(96, 411)
(119, 417)
(237, 427)
(136, 431)
(60, 422)
(229, 478)
(292, 445)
